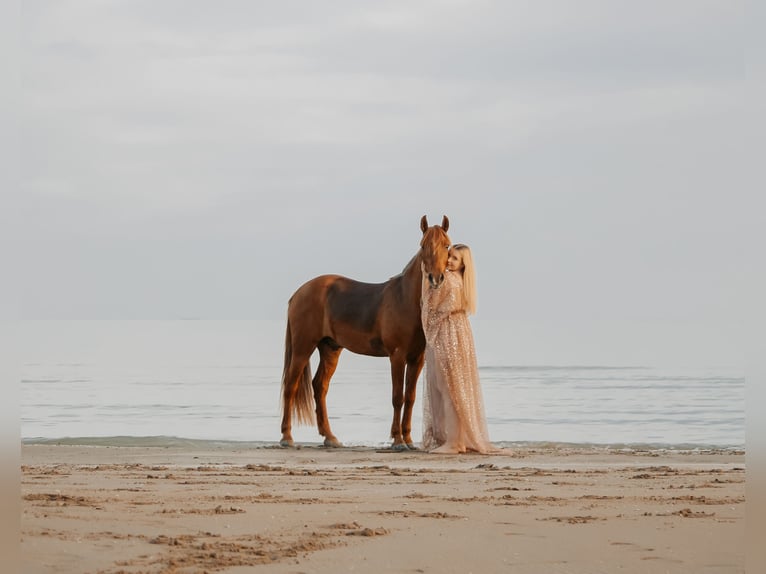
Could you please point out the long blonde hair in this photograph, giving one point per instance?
(469, 278)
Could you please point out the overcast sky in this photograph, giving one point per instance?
(188, 159)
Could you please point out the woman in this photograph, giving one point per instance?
(453, 408)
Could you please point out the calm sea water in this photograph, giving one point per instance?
(219, 381)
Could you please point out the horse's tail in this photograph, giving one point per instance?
(303, 404)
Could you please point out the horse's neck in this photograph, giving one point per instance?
(412, 278)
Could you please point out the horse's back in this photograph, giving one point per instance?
(320, 287)
(314, 286)
(338, 307)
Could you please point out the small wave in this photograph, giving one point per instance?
(148, 441)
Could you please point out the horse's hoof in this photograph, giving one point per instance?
(333, 443)
(411, 446)
(401, 447)
(285, 443)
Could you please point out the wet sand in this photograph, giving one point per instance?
(535, 510)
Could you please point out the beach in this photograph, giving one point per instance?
(532, 509)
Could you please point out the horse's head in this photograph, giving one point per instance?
(434, 249)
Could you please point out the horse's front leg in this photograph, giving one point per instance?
(414, 368)
(397, 399)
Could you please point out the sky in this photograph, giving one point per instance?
(200, 160)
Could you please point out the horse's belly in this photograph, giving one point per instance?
(371, 347)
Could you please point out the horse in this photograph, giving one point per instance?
(330, 313)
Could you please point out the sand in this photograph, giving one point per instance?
(312, 509)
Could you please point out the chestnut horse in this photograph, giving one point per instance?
(331, 313)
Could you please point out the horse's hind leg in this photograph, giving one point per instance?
(292, 380)
(293, 375)
(328, 361)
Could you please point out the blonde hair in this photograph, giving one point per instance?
(469, 278)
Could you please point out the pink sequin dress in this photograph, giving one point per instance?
(453, 406)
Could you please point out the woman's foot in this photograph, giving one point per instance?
(448, 449)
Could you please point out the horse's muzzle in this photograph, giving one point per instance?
(435, 283)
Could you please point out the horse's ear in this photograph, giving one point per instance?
(445, 222)
(423, 224)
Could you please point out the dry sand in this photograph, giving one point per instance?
(180, 510)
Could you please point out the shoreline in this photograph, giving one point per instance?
(128, 509)
(169, 441)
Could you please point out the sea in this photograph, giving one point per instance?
(163, 383)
